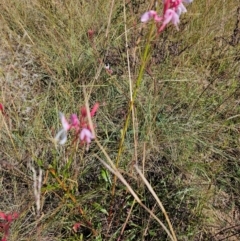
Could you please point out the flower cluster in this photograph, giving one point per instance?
(5, 226)
(171, 13)
(80, 125)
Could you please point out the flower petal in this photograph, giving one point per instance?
(145, 17)
(148, 16)
(74, 120)
(61, 137)
(65, 124)
(181, 9)
(83, 112)
(3, 216)
(76, 226)
(187, 1)
(86, 135)
(172, 16)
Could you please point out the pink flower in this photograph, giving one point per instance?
(174, 3)
(171, 16)
(8, 219)
(171, 12)
(147, 16)
(74, 120)
(150, 15)
(80, 125)
(86, 135)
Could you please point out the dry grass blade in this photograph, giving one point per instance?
(112, 168)
(158, 201)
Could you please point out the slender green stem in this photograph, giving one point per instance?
(145, 58)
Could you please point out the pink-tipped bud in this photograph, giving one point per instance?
(3, 216)
(74, 120)
(90, 34)
(76, 226)
(1, 108)
(83, 112)
(94, 109)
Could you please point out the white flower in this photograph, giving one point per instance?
(181, 9)
(61, 136)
